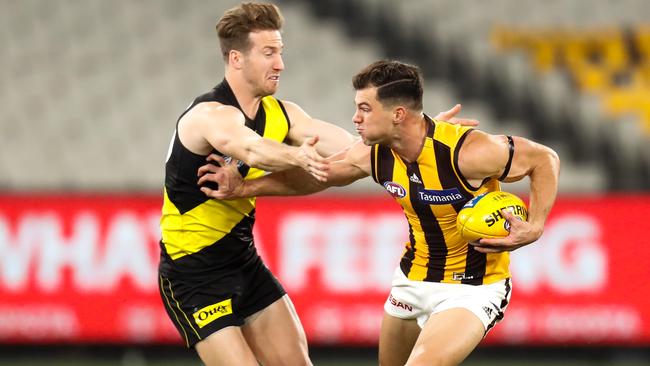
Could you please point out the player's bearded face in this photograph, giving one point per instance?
(263, 62)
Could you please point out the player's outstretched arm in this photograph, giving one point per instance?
(346, 167)
(223, 128)
(334, 138)
(486, 156)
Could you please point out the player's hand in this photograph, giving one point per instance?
(450, 116)
(226, 175)
(311, 161)
(521, 233)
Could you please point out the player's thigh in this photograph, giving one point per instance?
(226, 347)
(447, 338)
(276, 336)
(396, 340)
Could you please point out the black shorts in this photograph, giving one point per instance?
(203, 305)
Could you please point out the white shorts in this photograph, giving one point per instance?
(410, 299)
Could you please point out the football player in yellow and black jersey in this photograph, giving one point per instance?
(215, 288)
(446, 293)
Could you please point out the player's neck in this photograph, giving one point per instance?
(409, 139)
(247, 99)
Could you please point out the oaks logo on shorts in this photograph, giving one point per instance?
(212, 312)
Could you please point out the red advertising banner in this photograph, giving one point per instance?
(83, 269)
(80, 269)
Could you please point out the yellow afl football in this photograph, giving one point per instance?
(481, 217)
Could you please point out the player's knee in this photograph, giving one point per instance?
(434, 361)
(383, 359)
(388, 359)
(290, 356)
(420, 356)
(289, 360)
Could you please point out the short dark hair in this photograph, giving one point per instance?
(396, 83)
(237, 23)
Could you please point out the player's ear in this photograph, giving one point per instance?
(399, 114)
(235, 59)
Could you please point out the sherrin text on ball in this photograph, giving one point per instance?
(481, 217)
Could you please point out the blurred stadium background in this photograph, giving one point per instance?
(90, 93)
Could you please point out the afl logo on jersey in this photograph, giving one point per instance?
(395, 189)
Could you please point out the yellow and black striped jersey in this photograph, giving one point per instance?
(431, 191)
(200, 233)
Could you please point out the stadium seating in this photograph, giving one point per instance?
(92, 89)
(526, 86)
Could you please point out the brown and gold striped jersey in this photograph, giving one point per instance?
(431, 191)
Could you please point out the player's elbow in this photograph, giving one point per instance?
(544, 163)
(553, 158)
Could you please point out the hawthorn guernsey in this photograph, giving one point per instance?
(435, 197)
